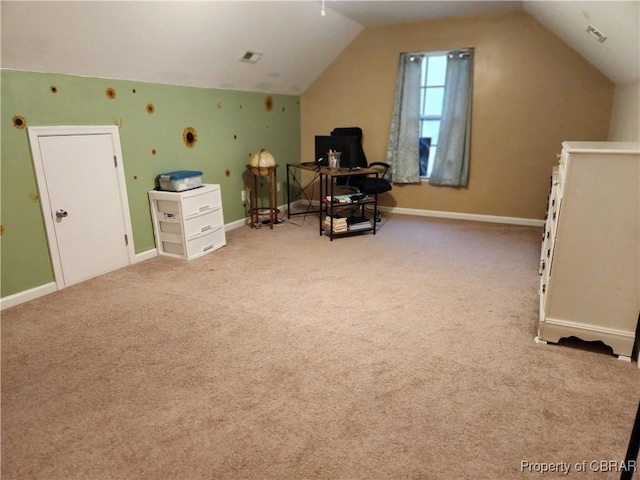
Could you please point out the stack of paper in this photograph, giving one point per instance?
(339, 224)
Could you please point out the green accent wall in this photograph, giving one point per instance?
(229, 126)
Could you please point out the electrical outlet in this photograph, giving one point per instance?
(243, 196)
(278, 186)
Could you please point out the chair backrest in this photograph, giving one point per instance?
(361, 158)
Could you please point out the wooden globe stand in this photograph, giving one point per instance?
(255, 210)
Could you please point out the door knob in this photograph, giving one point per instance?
(61, 213)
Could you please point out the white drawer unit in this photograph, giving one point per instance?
(590, 255)
(188, 224)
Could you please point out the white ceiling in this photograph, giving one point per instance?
(200, 43)
(177, 42)
(619, 56)
(383, 12)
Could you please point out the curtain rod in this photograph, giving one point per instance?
(460, 52)
(419, 55)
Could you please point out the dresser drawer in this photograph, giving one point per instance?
(198, 204)
(194, 202)
(172, 248)
(560, 178)
(206, 242)
(196, 246)
(203, 223)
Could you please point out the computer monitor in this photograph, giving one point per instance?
(346, 145)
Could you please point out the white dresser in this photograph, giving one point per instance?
(590, 255)
(188, 224)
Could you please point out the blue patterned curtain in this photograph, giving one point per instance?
(451, 162)
(402, 148)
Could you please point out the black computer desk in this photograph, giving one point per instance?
(325, 177)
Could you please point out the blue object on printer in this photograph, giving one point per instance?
(180, 180)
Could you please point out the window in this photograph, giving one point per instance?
(434, 69)
(436, 111)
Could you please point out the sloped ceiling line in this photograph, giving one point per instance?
(200, 43)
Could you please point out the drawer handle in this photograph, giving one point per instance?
(201, 210)
(208, 247)
(203, 232)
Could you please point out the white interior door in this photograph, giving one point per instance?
(84, 201)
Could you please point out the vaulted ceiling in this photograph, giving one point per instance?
(202, 43)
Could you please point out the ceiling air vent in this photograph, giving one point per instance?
(595, 33)
(251, 57)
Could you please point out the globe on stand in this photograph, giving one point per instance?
(262, 160)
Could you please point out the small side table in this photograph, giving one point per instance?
(255, 210)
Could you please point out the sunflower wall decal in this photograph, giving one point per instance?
(110, 93)
(268, 103)
(150, 108)
(189, 137)
(19, 122)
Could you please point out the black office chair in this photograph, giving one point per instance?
(363, 183)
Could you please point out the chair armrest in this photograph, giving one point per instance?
(385, 167)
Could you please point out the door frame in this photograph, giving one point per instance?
(34, 134)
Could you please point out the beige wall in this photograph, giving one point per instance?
(625, 119)
(531, 92)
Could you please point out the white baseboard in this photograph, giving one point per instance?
(246, 220)
(237, 224)
(141, 257)
(27, 295)
(46, 289)
(531, 222)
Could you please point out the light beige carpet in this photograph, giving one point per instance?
(405, 355)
